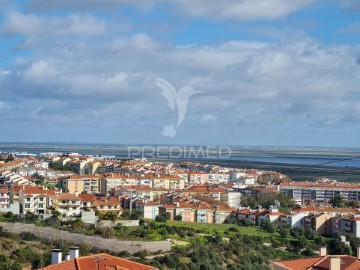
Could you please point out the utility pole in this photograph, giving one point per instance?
(131, 192)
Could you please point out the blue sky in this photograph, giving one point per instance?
(272, 72)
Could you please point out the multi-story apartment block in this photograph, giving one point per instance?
(319, 192)
(110, 182)
(347, 225)
(321, 223)
(141, 192)
(171, 182)
(198, 177)
(80, 166)
(81, 183)
(218, 178)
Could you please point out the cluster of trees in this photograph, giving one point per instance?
(339, 202)
(59, 167)
(163, 217)
(267, 199)
(216, 253)
(9, 158)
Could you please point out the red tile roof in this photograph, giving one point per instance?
(320, 263)
(87, 197)
(99, 262)
(67, 196)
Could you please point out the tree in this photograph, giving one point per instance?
(107, 232)
(56, 214)
(178, 218)
(337, 201)
(9, 158)
(248, 201)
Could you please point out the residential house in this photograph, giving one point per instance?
(150, 209)
(105, 205)
(294, 219)
(87, 201)
(95, 262)
(69, 205)
(35, 199)
(205, 213)
(320, 262)
(187, 211)
(4, 197)
(222, 213)
(168, 208)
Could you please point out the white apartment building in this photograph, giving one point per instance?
(307, 192)
(4, 197)
(35, 199)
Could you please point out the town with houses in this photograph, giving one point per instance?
(85, 187)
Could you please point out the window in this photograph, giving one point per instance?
(27, 206)
(74, 208)
(63, 202)
(41, 199)
(28, 199)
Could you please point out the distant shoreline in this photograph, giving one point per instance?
(296, 172)
(299, 163)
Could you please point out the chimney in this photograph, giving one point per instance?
(74, 252)
(323, 251)
(67, 257)
(358, 252)
(335, 263)
(56, 256)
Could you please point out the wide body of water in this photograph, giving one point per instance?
(306, 156)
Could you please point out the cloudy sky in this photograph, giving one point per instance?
(272, 72)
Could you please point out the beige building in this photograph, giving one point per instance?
(320, 223)
(168, 182)
(82, 183)
(67, 204)
(105, 205)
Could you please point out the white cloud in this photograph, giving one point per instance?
(17, 23)
(243, 9)
(40, 71)
(79, 71)
(138, 41)
(213, 9)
